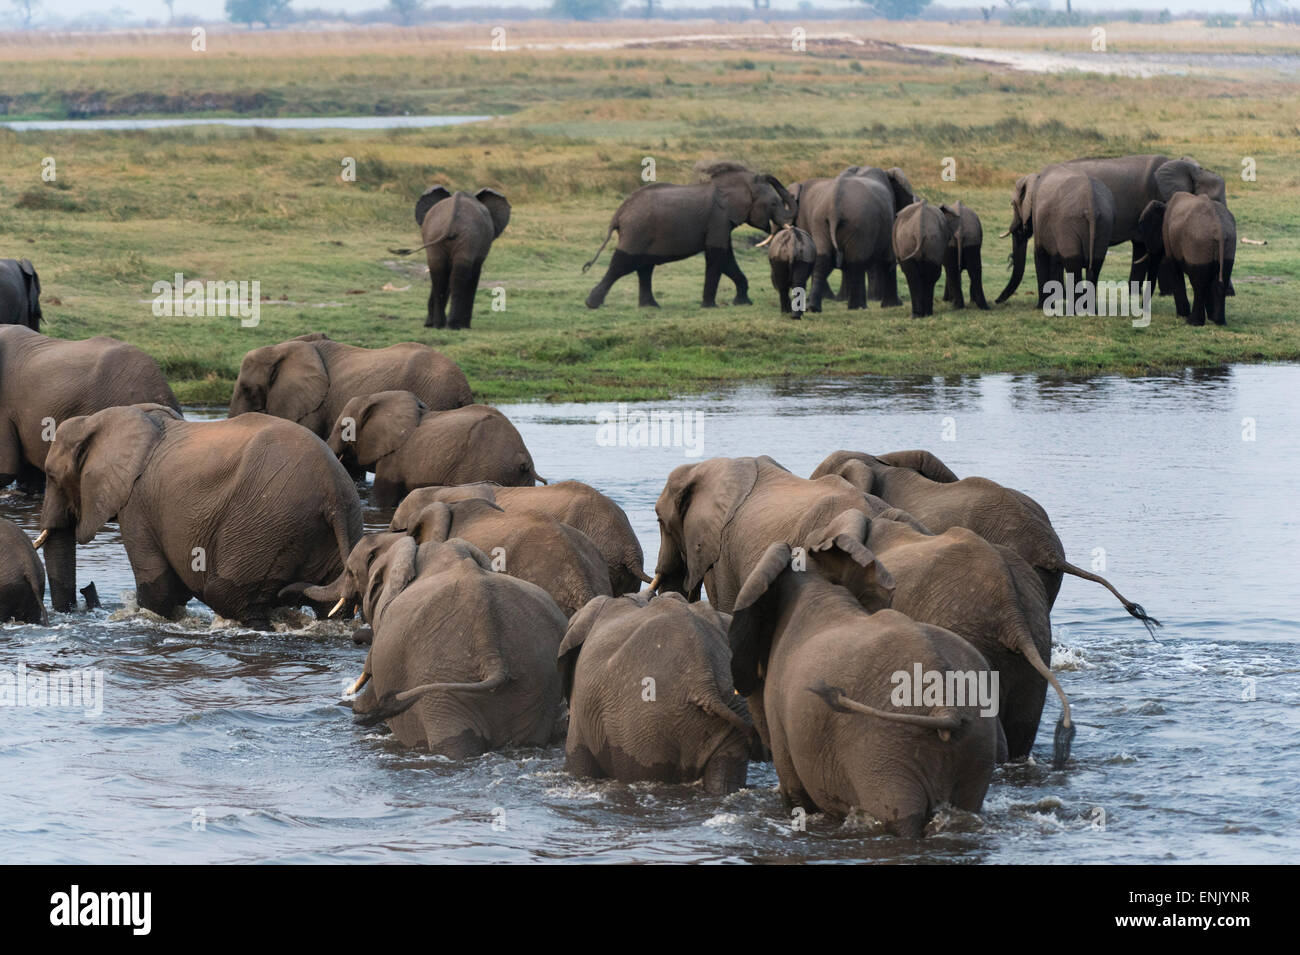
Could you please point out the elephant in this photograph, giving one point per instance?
(921, 236)
(462, 659)
(22, 577)
(666, 222)
(406, 445)
(44, 381)
(817, 667)
(850, 219)
(1199, 236)
(579, 505)
(458, 230)
(999, 514)
(226, 511)
(791, 256)
(310, 378)
(650, 697)
(20, 294)
(963, 255)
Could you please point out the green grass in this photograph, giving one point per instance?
(130, 209)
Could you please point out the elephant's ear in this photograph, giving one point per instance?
(904, 194)
(298, 382)
(574, 637)
(1177, 175)
(752, 619)
(432, 524)
(922, 462)
(843, 556)
(1151, 224)
(498, 208)
(428, 199)
(953, 216)
(698, 502)
(97, 459)
(383, 423)
(390, 574)
(859, 474)
(1022, 202)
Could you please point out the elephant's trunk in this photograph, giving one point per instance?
(1019, 248)
(61, 567)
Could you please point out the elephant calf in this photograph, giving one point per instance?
(1199, 236)
(792, 255)
(22, 577)
(921, 237)
(963, 256)
(20, 294)
(650, 695)
(406, 445)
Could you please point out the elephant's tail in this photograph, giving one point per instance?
(1092, 230)
(1135, 610)
(417, 248)
(1222, 243)
(395, 704)
(714, 704)
(1064, 734)
(613, 226)
(837, 701)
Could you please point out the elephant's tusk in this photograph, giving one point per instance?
(338, 606)
(654, 584)
(765, 241)
(1005, 234)
(1141, 260)
(40, 540)
(355, 688)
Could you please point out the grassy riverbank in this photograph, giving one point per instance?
(130, 209)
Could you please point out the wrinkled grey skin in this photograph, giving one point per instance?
(20, 294)
(963, 256)
(814, 663)
(457, 230)
(686, 725)
(262, 500)
(22, 577)
(462, 659)
(1199, 237)
(921, 236)
(665, 222)
(45, 380)
(791, 256)
(407, 446)
(310, 378)
(579, 505)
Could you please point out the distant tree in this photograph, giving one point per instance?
(255, 11)
(586, 9)
(25, 9)
(406, 10)
(897, 9)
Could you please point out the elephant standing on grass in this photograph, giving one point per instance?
(963, 256)
(791, 256)
(663, 222)
(22, 577)
(650, 695)
(921, 237)
(1199, 236)
(20, 294)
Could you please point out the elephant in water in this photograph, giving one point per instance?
(579, 505)
(663, 222)
(650, 697)
(226, 511)
(819, 668)
(1199, 236)
(963, 256)
(20, 294)
(921, 236)
(406, 445)
(22, 577)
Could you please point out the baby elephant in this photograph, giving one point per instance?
(963, 256)
(395, 435)
(921, 237)
(22, 577)
(650, 695)
(792, 254)
(1199, 236)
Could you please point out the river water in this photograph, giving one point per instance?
(222, 745)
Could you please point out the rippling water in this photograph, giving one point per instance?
(223, 745)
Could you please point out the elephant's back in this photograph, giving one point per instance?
(108, 373)
(407, 366)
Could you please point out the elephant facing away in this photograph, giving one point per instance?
(1199, 236)
(20, 294)
(665, 222)
(22, 577)
(791, 256)
(921, 236)
(406, 445)
(963, 256)
(226, 511)
(579, 505)
(819, 670)
(462, 659)
(648, 682)
(457, 230)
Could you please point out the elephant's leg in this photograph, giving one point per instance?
(889, 284)
(464, 285)
(31, 480)
(439, 285)
(1200, 296)
(911, 272)
(725, 773)
(1179, 288)
(619, 265)
(821, 271)
(157, 587)
(1042, 272)
(1137, 272)
(971, 259)
(1221, 293)
(781, 278)
(855, 280)
(951, 279)
(1167, 277)
(581, 761)
(713, 259)
(387, 491)
(645, 293)
(932, 271)
(731, 269)
(799, 287)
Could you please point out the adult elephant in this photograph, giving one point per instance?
(20, 294)
(45, 381)
(458, 230)
(310, 378)
(850, 219)
(664, 222)
(229, 512)
(22, 578)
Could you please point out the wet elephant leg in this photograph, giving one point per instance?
(725, 774)
(620, 265)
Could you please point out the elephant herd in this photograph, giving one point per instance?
(498, 612)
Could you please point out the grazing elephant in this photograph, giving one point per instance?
(1199, 236)
(20, 294)
(44, 381)
(998, 514)
(579, 505)
(458, 230)
(22, 577)
(226, 511)
(663, 222)
(791, 256)
(819, 671)
(921, 236)
(462, 659)
(310, 378)
(395, 435)
(963, 255)
(648, 682)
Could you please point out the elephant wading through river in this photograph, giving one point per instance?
(22, 578)
(663, 222)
